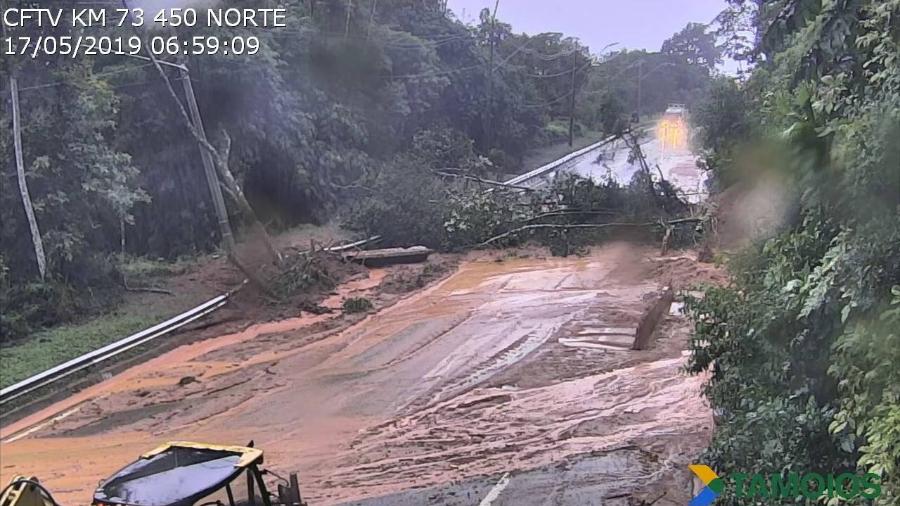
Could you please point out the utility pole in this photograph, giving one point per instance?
(572, 101)
(347, 25)
(23, 184)
(639, 77)
(490, 105)
(209, 169)
(371, 19)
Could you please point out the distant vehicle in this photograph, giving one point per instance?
(671, 130)
(677, 110)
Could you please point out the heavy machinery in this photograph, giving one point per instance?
(178, 473)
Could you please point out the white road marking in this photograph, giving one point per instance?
(40, 426)
(495, 492)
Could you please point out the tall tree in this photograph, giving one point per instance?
(696, 45)
(23, 183)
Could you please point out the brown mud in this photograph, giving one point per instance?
(464, 379)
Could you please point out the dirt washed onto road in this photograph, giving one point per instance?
(508, 367)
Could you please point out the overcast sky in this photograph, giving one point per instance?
(634, 24)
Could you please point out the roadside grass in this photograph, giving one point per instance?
(52, 347)
(139, 268)
(194, 283)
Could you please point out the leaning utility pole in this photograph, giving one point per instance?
(23, 184)
(209, 169)
(195, 126)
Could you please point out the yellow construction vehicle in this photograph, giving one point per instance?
(177, 474)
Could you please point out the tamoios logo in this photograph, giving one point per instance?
(784, 487)
(713, 488)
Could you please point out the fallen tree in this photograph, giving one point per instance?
(575, 226)
(452, 209)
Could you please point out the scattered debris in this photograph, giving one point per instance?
(357, 305)
(187, 380)
(389, 256)
(650, 320)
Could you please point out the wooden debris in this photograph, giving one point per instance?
(389, 256)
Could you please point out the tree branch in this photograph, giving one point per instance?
(538, 226)
(443, 173)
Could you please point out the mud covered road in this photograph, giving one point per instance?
(510, 382)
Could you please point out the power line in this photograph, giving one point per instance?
(463, 69)
(410, 45)
(100, 74)
(551, 102)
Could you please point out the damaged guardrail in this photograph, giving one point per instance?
(109, 351)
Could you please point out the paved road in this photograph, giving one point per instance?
(511, 382)
(676, 162)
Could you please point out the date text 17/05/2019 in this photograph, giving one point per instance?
(87, 45)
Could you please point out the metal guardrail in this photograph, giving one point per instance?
(109, 351)
(550, 167)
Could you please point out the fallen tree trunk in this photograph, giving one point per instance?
(538, 226)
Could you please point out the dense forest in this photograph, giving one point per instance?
(804, 346)
(328, 121)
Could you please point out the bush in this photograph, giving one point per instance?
(30, 306)
(407, 206)
(357, 305)
(558, 131)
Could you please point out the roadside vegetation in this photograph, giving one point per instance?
(360, 112)
(804, 345)
(50, 347)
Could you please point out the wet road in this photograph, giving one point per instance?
(510, 382)
(677, 164)
(674, 161)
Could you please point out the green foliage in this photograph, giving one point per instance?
(357, 305)
(721, 122)
(803, 347)
(409, 207)
(696, 46)
(475, 216)
(47, 348)
(406, 206)
(867, 354)
(679, 74)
